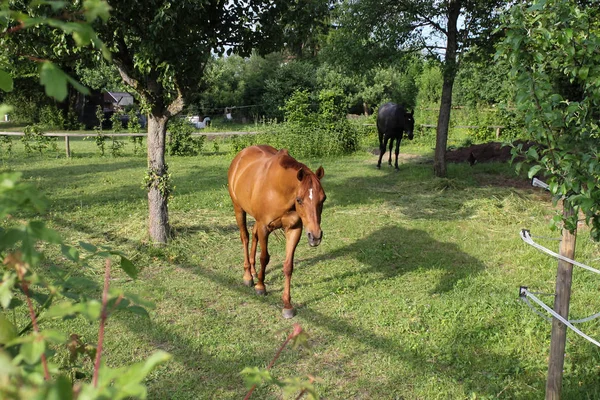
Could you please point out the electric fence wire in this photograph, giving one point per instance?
(524, 293)
(526, 236)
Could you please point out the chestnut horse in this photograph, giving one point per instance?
(279, 192)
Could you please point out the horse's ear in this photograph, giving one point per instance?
(300, 174)
(320, 173)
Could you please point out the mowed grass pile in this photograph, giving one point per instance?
(413, 294)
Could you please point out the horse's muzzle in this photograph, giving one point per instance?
(313, 240)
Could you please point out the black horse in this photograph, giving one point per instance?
(392, 121)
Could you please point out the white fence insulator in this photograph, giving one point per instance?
(537, 183)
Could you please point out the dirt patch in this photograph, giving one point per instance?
(486, 152)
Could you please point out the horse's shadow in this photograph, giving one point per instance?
(386, 254)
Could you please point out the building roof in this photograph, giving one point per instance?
(121, 98)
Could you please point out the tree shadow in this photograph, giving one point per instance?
(392, 251)
(63, 172)
(414, 193)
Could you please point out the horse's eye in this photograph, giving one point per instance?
(299, 200)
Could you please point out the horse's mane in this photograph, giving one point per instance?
(287, 161)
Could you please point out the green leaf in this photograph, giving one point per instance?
(88, 247)
(139, 300)
(129, 268)
(32, 351)
(96, 9)
(54, 336)
(7, 330)
(55, 4)
(6, 81)
(39, 231)
(534, 170)
(60, 389)
(54, 80)
(138, 310)
(78, 86)
(91, 309)
(70, 252)
(62, 309)
(6, 293)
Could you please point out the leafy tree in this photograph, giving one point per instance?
(390, 27)
(45, 39)
(291, 77)
(161, 49)
(552, 47)
(304, 23)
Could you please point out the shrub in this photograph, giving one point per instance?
(306, 132)
(180, 141)
(27, 353)
(34, 140)
(51, 118)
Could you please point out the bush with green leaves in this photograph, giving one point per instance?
(180, 141)
(51, 118)
(34, 140)
(6, 144)
(31, 353)
(309, 132)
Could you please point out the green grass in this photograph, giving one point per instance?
(413, 294)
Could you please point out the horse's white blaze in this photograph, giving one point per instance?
(310, 193)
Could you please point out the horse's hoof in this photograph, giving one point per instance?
(261, 292)
(248, 282)
(288, 313)
(379, 167)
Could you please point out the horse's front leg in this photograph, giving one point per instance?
(391, 148)
(240, 217)
(263, 237)
(397, 152)
(292, 237)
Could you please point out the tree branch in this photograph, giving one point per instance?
(103, 317)
(176, 105)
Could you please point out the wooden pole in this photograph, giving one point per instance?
(67, 146)
(558, 339)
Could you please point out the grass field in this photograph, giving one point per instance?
(413, 293)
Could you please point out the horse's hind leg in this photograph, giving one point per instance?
(381, 150)
(253, 250)
(391, 148)
(240, 217)
(397, 152)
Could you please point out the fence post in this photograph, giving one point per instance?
(67, 146)
(558, 339)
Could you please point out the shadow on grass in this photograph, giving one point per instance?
(392, 251)
(98, 165)
(413, 191)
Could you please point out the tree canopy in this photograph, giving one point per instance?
(552, 47)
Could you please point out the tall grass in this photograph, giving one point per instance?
(413, 293)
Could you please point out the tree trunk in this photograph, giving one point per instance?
(564, 275)
(158, 194)
(450, 67)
